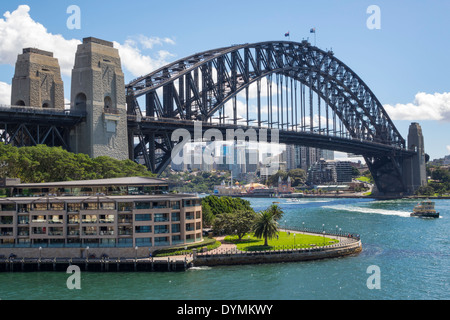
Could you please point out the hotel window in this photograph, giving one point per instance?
(56, 206)
(175, 228)
(39, 230)
(6, 220)
(125, 242)
(90, 206)
(125, 230)
(8, 207)
(89, 231)
(106, 231)
(190, 227)
(24, 219)
(106, 218)
(55, 231)
(176, 240)
(175, 216)
(125, 218)
(161, 217)
(143, 229)
(161, 229)
(74, 218)
(107, 205)
(23, 208)
(161, 241)
(198, 214)
(73, 231)
(73, 207)
(143, 217)
(108, 242)
(6, 231)
(175, 205)
(55, 219)
(40, 206)
(159, 204)
(38, 219)
(142, 205)
(189, 216)
(125, 206)
(23, 231)
(144, 242)
(89, 218)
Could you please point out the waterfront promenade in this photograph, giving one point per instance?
(226, 254)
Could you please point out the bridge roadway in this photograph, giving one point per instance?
(20, 115)
(148, 125)
(68, 118)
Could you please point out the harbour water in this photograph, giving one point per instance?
(412, 255)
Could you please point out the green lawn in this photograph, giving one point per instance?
(284, 241)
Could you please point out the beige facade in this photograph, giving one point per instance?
(117, 223)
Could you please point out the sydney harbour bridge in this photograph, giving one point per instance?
(307, 94)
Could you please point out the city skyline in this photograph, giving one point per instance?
(410, 89)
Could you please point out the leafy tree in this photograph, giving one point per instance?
(238, 223)
(50, 164)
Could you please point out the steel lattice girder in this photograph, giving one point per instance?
(227, 71)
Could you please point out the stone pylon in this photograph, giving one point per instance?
(98, 88)
(414, 169)
(37, 81)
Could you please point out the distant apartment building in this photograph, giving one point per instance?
(302, 157)
(329, 172)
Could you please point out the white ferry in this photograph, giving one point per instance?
(425, 209)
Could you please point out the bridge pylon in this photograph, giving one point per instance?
(98, 89)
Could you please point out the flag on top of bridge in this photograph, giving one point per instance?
(312, 30)
(287, 34)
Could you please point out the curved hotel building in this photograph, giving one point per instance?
(118, 217)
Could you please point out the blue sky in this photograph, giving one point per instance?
(405, 63)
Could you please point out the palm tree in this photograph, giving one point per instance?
(276, 211)
(265, 226)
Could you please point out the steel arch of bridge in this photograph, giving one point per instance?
(196, 88)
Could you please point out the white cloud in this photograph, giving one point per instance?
(5, 93)
(149, 43)
(448, 148)
(425, 107)
(18, 30)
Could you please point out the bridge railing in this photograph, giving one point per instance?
(36, 110)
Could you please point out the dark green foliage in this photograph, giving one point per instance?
(219, 205)
(50, 164)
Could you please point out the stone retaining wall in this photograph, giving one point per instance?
(238, 258)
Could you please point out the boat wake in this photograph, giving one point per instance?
(369, 210)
